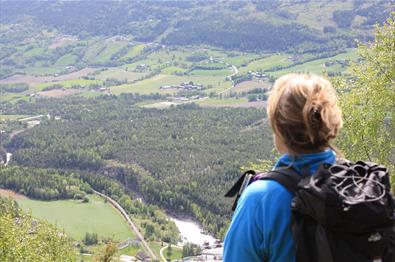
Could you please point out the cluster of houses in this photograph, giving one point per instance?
(257, 75)
(294, 58)
(143, 68)
(184, 86)
(342, 62)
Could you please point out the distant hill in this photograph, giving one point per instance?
(247, 25)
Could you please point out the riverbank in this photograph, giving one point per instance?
(192, 232)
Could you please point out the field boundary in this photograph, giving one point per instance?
(130, 223)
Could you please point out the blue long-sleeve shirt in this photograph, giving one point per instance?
(260, 228)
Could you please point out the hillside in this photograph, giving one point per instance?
(246, 25)
(160, 104)
(25, 238)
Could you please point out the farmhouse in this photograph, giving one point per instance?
(184, 86)
(142, 68)
(257, 75)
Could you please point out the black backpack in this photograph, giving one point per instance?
(342, 213)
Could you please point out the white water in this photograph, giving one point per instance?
(192, 232)
(8, 158)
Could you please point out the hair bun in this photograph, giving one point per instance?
(303, 111)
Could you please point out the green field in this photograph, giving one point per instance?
(77, 218)
(12, 117)
(67, 59)
(176, 253)
(68, 83)
(317, 14)
(239, 59)
(317, 66)
(266, 63)
(152, 85)
(220, 72)
(134, 51)
(119, 74)
(12, 97)
(171, 70)
(111, 49)
(43, 70)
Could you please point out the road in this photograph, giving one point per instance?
(235, 72)
(161, 253)
(163, 249)
(130, 223)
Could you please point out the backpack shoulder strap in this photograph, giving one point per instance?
(285, 176)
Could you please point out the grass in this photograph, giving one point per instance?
(12, 117)
(13, 97)
(316, 66)
(175, 254)
(77, 218)
(34, 52)
(90, 94)
(134, 51)
(171, 70)
(318, 14)
(93, 51)
(43, 70)
(221, 72)
(249, 85)
(156, 246)
(240, 59)
(111, 48)
(152, 85)
(119, 74)
(266, 63)
(68, 83)
(67, 59)
(130, 250)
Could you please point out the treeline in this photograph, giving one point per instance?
(227, 25)
(14, 88)
(43, 184)
(143, 20)
(184, 157)
(244, 34)
(51, 184)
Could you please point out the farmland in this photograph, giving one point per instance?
(145, 68)
(77, 218)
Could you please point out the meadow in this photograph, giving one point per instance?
(143, 68)
(77, 218)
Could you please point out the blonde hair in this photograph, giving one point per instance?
(303, 112)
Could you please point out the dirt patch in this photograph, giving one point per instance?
(58, 42)
(59, 92)
(43, 79)
(8, 193)
(256, 104)
(249, 85)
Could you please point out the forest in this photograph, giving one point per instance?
(244, 25)
(179, 158)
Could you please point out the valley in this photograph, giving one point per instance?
(124, 124)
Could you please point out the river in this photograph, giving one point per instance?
(8, 158)
(191, 231)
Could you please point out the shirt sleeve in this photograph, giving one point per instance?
(259, 230)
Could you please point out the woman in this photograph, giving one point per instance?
(305, 118)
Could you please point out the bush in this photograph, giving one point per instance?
(90, 239)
